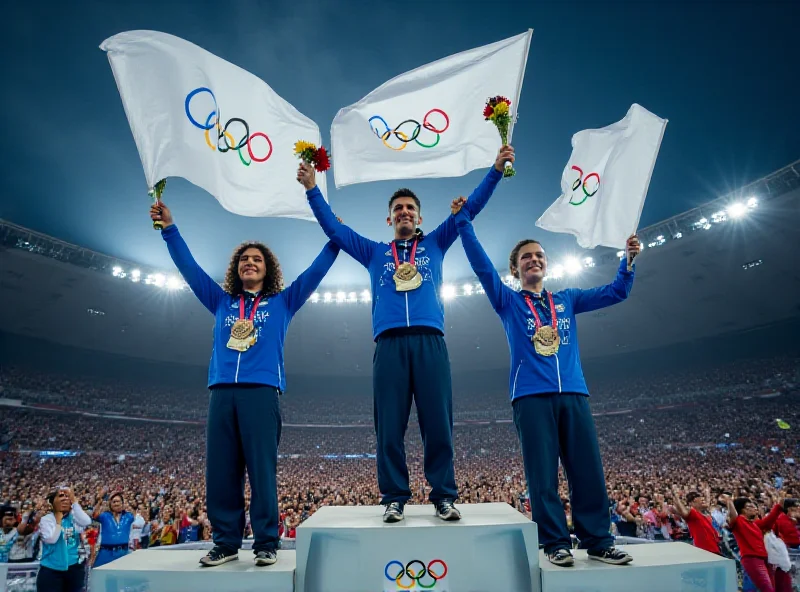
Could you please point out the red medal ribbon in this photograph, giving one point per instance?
(411, 259)
(537, 320)
(252, 312)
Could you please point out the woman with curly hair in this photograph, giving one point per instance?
(246, 377)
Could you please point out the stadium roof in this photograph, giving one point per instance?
(713, 270)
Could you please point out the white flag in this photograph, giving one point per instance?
(605, 182)
(429, 122)
(196, 116)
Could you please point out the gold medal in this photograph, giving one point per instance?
(243, 332)
(545, 338)
(407, 277)
(546, 341)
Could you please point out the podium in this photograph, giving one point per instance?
(657, 567)
(350, 549)
(172, 570)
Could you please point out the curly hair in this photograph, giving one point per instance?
(273, 280)
(512, 258)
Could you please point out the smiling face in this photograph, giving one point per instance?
(530, 265)
(252, 268)
(404, 215)
(116, 504)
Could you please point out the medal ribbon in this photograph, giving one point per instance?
(538, 321)
(252, 312)
(410, 259)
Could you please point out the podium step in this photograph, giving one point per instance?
(350, 549)
(657, 567)
(164, 570)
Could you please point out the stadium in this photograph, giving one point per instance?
(120, 395)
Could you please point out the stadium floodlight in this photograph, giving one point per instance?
(116, 271)
(173, 283)
(467, 289)
(315, 297)
(352, 297)
(327, 297)
(159, 279)
(572, 266)
(136, 275)
(718, 217)
(448, 292)
(737, 210)
(620, 254)
(366, 296)
(341, 297)
(752, 202)
(556, 272)
(679, 235)
(588, 262)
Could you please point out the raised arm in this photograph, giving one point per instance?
(352, 243)
(767, 522)
(498, 293)
(299, 291)
(610, 294)
(682, 510)
(208, 292)
(732, 513)
(446, 233)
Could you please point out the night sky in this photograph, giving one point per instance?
(725, 74)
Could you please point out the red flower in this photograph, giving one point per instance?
(322, 163)
(487, 111)
(500, 99)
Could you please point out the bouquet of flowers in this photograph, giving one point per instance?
(497, 111)
(309, 153)
(155, 194)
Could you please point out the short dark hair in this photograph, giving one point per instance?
(404, 192)
(691, 496)
(512, 259)
(740, 502)
(119, 495)
(789, 503)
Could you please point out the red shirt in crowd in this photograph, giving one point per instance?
(702, 531)
(786, 530)
(749, 534)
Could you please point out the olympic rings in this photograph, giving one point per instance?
(581, 182)
(406, 138)
(407, 577)
(228, 142)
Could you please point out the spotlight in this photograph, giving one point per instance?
(556, 272)
(366, 296)
(116, 271)
(352, 297)
(737, 210)
(327, 297)
(340, 296)
(315, 297)
(136, 275)
(448, 291)
(159, 279)
(588, 262)
(752, 202)
(173, 283)
(572, 266)
(467, 289)
(620, 254)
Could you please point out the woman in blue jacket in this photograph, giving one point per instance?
(115, 529)
(246, 376)
(549, 396)
(61, 568)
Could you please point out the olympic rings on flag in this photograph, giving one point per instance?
(406, 577)
(412, 131)
(582, 183)
(223, 134)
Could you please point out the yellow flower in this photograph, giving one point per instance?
(501, 109)
(301, 146)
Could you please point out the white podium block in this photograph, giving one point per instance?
(350, 549)
(162, 570)
(657, 567)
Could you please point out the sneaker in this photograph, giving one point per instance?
(218, 555)
(447, 511)
(561, 557)
(268, 557)
(393, 512)
(610, 555)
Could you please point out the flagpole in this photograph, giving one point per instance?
(523, 65)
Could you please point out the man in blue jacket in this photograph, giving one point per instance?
(548, 392)
(410, 360)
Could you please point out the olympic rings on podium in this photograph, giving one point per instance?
(415, 129)
(406, 577)
(582, 182)
(222, 133)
